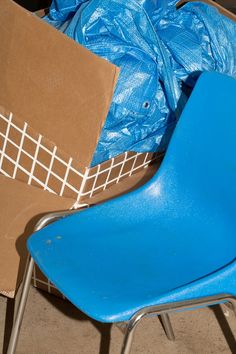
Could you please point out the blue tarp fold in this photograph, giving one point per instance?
(161, 51)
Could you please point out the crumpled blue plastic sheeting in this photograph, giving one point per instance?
(198, 39)
(157, 48)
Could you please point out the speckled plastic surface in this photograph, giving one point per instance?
(172, 239)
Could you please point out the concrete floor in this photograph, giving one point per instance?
(54, 326)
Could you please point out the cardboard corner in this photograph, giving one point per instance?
(61, 89)
(21, 207)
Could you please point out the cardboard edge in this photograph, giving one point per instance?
(9, 294)
(57, 38)
(221, 9)
(43, 203)
(116, 72)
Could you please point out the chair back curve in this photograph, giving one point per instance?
(201, 157)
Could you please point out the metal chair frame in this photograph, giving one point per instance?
(161, 310)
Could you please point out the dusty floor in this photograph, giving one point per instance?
(53, 326)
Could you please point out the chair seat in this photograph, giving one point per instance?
(109, 269)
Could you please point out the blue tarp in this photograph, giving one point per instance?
(161, 51)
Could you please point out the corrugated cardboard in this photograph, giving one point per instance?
(54, 98)
(60, 95)
(61, 89)
(21, 207)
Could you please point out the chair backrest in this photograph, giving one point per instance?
(193, 195)
(201, 158)
(184, 218)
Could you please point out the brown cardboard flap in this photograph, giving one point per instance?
(60, 88)
(21, 206)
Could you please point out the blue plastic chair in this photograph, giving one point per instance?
(166, 246)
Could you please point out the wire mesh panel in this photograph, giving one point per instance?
(40, 281)
(105, 175)
(28, 156)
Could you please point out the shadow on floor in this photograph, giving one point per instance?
(104, 329)
(68, 310)
(71, 311)
(10, 307)
(225, 328)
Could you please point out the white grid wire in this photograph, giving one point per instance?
(50, 167)
(130, 158)
(84, 178)
(122, 167)
(66, 176)
(31, 176)
(9, 120)
(43, 147)
(109, 173)
(95, 181)
(145, 163)
(147, 160)
(35, 161)
(38, 281)
(132, 168)
(82, 186)
(47, 283)
(19, 151)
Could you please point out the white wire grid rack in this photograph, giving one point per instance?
(40, 281)
(31, 158)
(113, 171)
(28, 156)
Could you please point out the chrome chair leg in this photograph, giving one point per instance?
(164, 309)
(165, 320)
(129, 333)
(233, 304)
(128, 340)
(132, 324)
(21, 307)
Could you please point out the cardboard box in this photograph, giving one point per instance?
(53, 105)
(21, 207)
